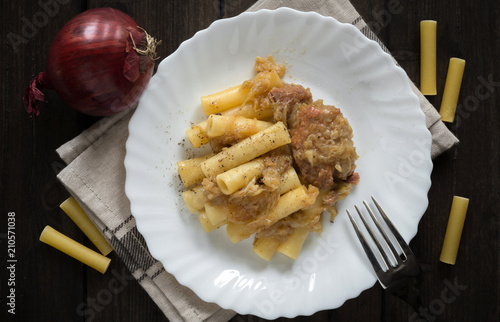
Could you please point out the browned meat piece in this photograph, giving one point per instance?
(322, 143)
(284, 98)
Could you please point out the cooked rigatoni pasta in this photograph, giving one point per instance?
(197, 134)
(237, 95)
(293, 245)
(254, 146)
(190, 170)
(216, 213)
(289, 203)
(237, 178)
(249, 111)
(195, 199)
(265, 247)
(289, 180)
(224, 100)
(249, 184)
(219, 125)
(207, 224)
(237, 232)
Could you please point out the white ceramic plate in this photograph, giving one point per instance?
(340, 66)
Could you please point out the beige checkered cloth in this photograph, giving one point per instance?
(95, 176)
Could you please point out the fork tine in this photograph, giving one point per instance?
(402, 243)
(380, 250)
(386, 239)
(399, 278)
(364, 244)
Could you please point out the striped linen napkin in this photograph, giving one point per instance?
(95, 177)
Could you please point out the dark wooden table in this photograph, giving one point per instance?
(51, 286)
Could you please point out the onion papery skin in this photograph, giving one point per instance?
(87, 60)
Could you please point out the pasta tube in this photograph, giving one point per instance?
(428, 57)
(197, 134)
(206, 224)
(452, 89)
(293, 245)
(289, 181)
(190, 170)
(216, 213)
(237, 232)
(454, 230)
(249, 111)
(237, 178)
(59, 241)
(247, 149)
(195, 199)
(219, 125)
(290, 202)
(224, 100)
(265, 247)
(80, 218)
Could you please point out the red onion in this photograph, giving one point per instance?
(99, 63)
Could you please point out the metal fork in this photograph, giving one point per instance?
(401, 276)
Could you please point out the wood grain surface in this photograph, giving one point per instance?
(49, 286)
